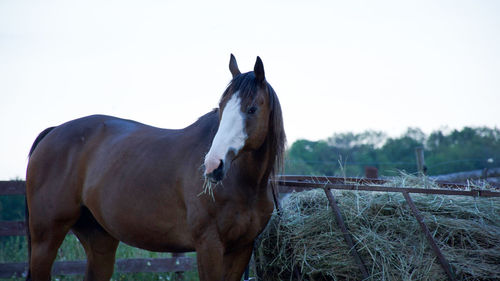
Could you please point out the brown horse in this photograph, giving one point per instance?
(109, 180)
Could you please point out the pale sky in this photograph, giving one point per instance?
(337, 66)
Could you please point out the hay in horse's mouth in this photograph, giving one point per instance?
(208, 187)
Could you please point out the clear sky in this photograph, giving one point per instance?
(336, 66)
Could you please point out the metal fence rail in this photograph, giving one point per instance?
(300, 183)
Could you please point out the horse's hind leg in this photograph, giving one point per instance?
(99, 246)
(46, 238)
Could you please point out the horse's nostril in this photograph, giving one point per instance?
(218, 174)
(211, 164)
(221, 165)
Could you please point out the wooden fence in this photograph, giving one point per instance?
(286, 184)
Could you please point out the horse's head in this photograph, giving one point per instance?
(248, 112)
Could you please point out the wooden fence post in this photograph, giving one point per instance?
(179, 275)
(419, 152)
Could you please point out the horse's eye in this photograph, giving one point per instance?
(252, 110)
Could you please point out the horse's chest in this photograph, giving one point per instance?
(243, 226)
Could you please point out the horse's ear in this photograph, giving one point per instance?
(258, 70)
(233, 66)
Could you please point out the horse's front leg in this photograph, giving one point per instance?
(235, 262)
(210, 257)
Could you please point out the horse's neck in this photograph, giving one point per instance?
(204, 129)
(255, 167)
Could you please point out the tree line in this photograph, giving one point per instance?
(347, 154)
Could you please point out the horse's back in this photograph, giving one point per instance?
(54, 148)
(61, 156)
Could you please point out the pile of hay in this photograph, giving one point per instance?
(306, 244)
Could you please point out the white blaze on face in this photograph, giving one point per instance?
(231, 135)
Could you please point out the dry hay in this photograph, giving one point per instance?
(387, 235)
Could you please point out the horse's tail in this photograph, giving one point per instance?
(39, 138)
(28, 238)
(26, 211)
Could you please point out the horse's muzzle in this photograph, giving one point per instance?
(218, 174)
